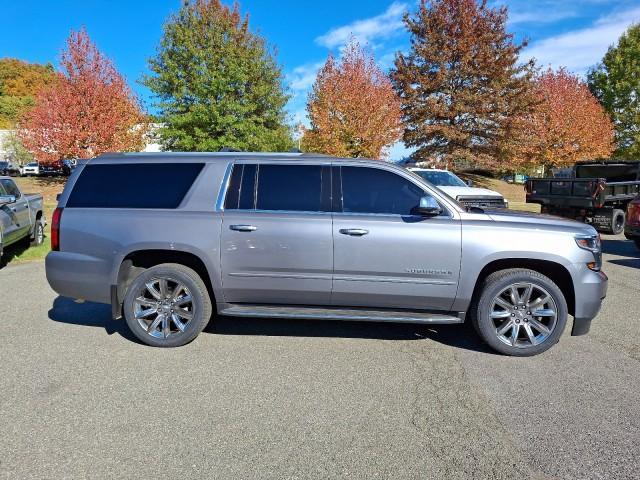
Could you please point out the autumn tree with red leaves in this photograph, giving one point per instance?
(89, 108)
(353, 108)
(568, 124)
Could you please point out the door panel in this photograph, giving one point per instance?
(16, 222)
(277, 257)
(276, 238)
(384, 255)
(401, 262)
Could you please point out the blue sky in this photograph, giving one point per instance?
(574, 34)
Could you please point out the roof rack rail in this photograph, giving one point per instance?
(228, 149)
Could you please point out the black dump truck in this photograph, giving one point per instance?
(597, 193)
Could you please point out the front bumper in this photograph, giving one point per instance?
(590, 291)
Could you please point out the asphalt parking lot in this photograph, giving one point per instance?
(301, 399)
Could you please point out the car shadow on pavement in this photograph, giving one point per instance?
(620, 247)
(12, 252)
(459, 336)
(66, 310)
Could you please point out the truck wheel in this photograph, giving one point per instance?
(519, 312)
(617, 221)
(167, 305)
(38, 234)
(610, 221)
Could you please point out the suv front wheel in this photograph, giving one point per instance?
(519, 312)
(167, 305)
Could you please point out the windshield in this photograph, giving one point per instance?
(440, 179)
(32, 164)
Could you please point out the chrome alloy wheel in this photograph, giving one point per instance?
(523, 314)
(163, 307)
(39, 233)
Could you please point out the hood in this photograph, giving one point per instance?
(456, 192)
(538, 220)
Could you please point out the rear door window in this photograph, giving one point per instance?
(141, 185)
(294, 188)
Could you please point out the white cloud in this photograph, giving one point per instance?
(367, 30)
(580, 49)
(303, 76)
(539, 15)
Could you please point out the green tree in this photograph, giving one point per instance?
(616, 83)
(217, 84)
(462, 84)
(15, 150)
(19, 83)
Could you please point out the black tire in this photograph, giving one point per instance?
(38, 234)
(201, 307)
(618, 218)
(483, 303)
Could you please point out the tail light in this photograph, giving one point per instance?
(633, 213)
(55, 229)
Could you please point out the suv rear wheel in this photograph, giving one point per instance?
(519, 312)
(167, 305)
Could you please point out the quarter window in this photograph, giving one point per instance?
(141, 185)
(373, 190)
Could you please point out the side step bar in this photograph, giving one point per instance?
(328, 313)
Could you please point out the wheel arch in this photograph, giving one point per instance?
(557, 272)
(135, 262)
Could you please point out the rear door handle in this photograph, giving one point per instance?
(354, 232)
(243, 228)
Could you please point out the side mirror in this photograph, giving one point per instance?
(428, 207)
(6, 199)
(470, 183)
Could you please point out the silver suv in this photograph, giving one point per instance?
(168, 239)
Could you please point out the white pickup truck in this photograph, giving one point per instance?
(21, 215)
(456, 188)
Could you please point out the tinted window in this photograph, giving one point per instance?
(10, 188)
(233, 190)
(142, 185)
(441, 179)
(242, 186)
(248, 187)
(289, 187)
(371, 190)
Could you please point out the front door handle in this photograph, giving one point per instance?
(354, 232)
(243, 228)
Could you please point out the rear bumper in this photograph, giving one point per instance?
(589, 294)
(79, 276)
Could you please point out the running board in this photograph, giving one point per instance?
(350, 314)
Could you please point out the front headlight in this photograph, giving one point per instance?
(593, 244)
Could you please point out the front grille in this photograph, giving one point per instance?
(487, 202)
